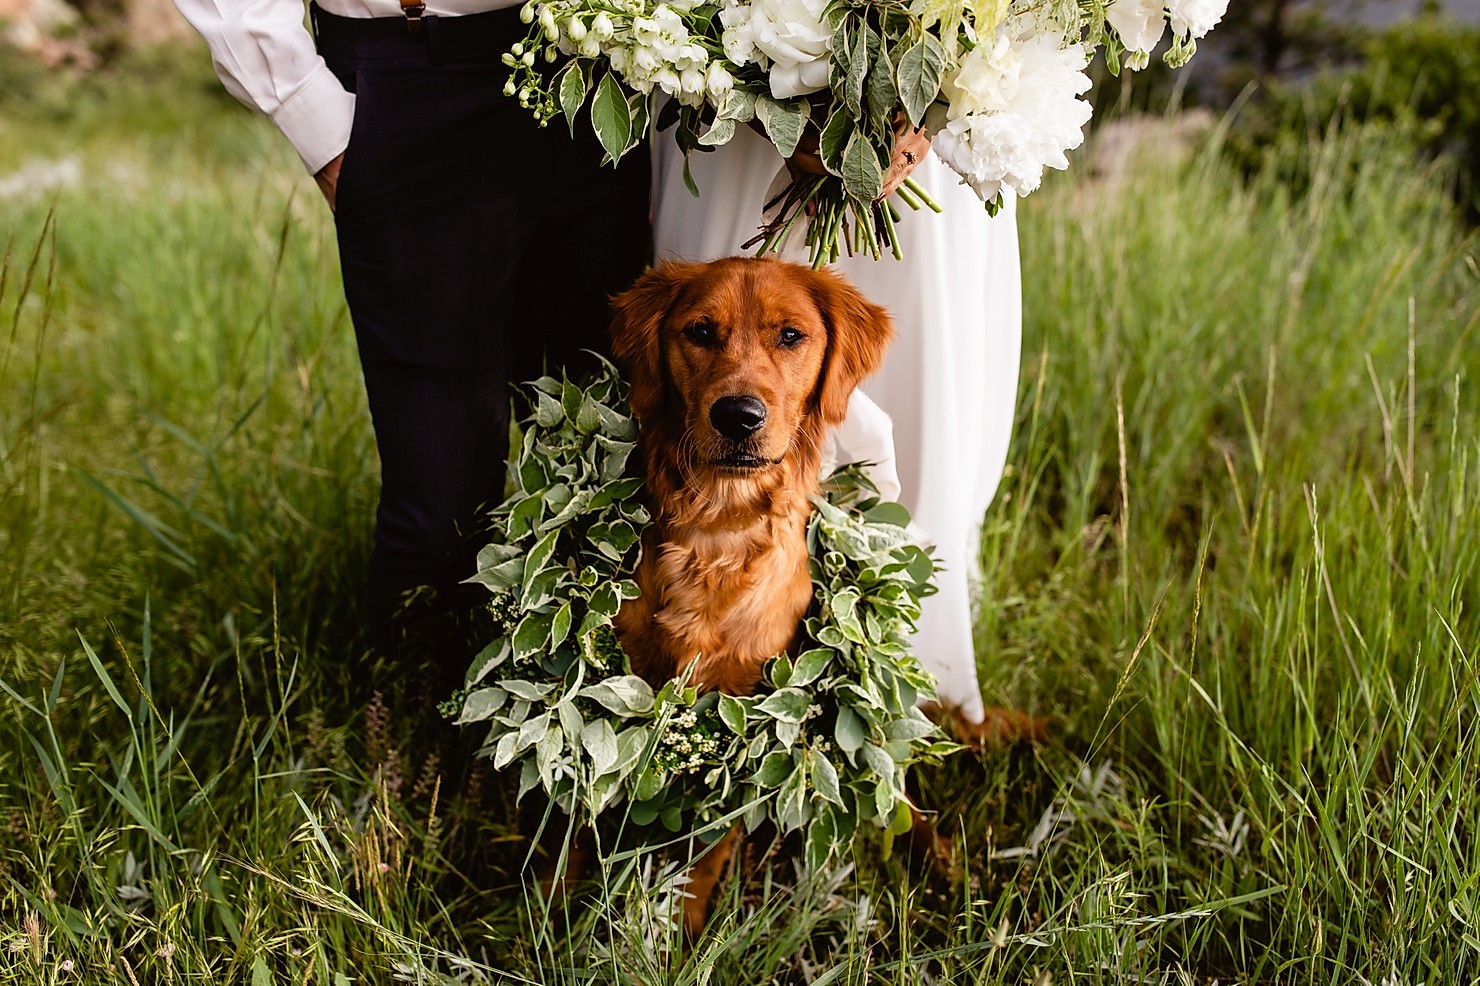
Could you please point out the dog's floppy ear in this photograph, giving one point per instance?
(637, 317)
(858, 333)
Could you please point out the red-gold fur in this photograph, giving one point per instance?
(724, 571)
(724, 575)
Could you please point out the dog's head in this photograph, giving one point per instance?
(748, 359)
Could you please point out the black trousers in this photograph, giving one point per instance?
(477, 249)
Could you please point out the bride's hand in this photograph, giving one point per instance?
(910, 147)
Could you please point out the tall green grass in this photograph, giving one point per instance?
(1235, 560)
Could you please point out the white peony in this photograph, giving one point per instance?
(788, 36)
(1014, 110)
(1140, 24)
(1196, 17)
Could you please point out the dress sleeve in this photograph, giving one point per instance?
(266, 58)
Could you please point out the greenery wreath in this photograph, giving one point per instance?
(825, 743)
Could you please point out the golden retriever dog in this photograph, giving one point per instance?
(738, 368)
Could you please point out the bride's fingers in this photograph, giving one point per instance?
(910, 148)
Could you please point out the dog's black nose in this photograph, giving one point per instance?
(737, 418)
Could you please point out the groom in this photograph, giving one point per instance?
(476, 247)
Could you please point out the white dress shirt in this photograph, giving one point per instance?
(265, 56)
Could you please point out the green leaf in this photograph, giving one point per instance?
(649, 784)
(528, 691)
(888, 512)
(825, 778)
(539, 589)
(810, 664)
(547, 410)
(732, 714)
(532, 633)
(834, 139)
(786, 704)
(487, 660)
(918, 76)
(878, 761)
(821, 836)
(719, 133)
(791, 802)
(600, 743)
(573, 86)
(482, 704)
(863, 177)
(525, 515)
(611, 117)
(850, 730)
(560, 626)
(882, 94)
(626, 695)
(783, 120)
(775, 768)
(570, 717)
(739, 105)
(909, 728)
(605, 601)
(858, 62)
(631, 743)
(548, 749)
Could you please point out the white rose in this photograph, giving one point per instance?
(797, 40)
(1140, 23)
(1196, 17)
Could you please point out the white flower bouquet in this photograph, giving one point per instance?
(835, 84)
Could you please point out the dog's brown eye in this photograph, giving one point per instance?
(790, 336)
(701, 333)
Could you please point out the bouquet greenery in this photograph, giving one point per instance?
(996, 83)
(823, 746)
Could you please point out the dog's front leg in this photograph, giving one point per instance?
(703, 877)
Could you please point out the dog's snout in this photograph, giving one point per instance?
(737, 418)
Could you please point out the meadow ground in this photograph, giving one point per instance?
(1236, 560)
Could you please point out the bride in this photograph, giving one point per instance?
(948, 383)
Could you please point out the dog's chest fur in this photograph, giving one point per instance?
(726, 588)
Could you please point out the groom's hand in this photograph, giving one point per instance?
(328, 179)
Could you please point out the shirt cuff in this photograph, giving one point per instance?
(317, 119)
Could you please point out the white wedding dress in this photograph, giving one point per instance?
(949, 380)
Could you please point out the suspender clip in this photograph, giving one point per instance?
(415, 24)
